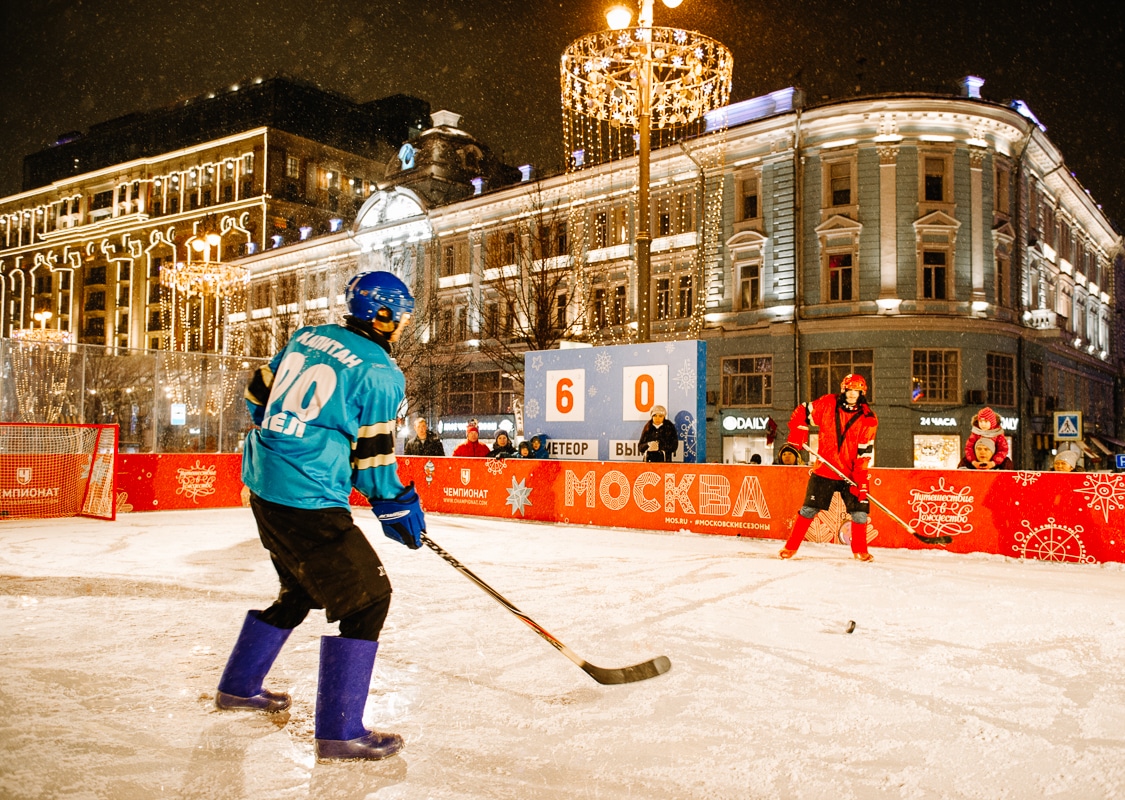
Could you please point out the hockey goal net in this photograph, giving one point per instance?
(57, 470)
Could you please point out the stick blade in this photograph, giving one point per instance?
(942, 539)
(637, 672)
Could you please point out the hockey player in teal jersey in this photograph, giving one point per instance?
(326, 409)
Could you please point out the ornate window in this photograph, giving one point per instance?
(936, 376)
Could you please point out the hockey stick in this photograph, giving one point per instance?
(637, 672)
(943, 539)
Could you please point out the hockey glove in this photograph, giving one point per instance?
(402, 518)
(860, 493)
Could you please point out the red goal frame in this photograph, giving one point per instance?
(51, 470)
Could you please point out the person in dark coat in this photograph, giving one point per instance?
(659, 439)
(425, 443)
(539, 446)
(524, 450)
(789, 456)
(502, 447)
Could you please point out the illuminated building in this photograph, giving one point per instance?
(258, 166)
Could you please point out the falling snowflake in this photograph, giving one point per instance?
(496, 465)
(1106, 492)
(603, 362)
(531, 409)
(685, 378)
(1052, 542)
(1026, 478)
(519, 496)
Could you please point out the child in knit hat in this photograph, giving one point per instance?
(986, 424)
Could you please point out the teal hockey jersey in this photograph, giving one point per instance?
(326, 408)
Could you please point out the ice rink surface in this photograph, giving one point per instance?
(966, 676)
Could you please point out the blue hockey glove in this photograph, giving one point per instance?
(402, 518)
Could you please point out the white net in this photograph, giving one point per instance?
(57, 470)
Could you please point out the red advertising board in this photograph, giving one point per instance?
(1051, 516)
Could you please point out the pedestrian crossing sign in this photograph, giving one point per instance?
(1068, 426)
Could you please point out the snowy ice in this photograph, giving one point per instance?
(966, 676)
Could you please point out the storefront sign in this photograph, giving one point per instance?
(734, 423)
(938, 422)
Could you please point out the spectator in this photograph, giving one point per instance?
(1066, 461)
(425, 442)
(986, 425)
(472, 447)
(984, 452)
(502, 447)
(539, 446)
(659, 439)
(755, 459)
(524, 450)
(789, 456)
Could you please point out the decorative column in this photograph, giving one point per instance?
(977, 213)
(888, 222)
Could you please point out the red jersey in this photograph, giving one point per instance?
(477, 449)
(847, 438)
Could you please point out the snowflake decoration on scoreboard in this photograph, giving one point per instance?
(1026, 478)
(603, 362)
(1052, 542)
(531, 409)
(669, 347)
(592, 391)
(496, 466)
(537, 363)
(942, 510)
(519, 496)
(1106, 493)
(834, 525)
(685, 377)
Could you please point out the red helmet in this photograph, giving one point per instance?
(853, 381)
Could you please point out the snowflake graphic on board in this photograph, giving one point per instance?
(592, 391)
(519, 496)
(1026, 478)
(537, 363)
(603, 362)
(685, 377)
(531, 409)
(1051, 542)
(1106, 493)
(496, 465)
(669, 347)
(687, 436)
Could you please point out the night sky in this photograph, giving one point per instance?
(69, 63)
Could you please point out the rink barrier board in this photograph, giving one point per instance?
(1075, 517)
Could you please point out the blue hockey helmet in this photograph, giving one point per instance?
(378, 297)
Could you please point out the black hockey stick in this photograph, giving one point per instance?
(637, 672)
(943, 539)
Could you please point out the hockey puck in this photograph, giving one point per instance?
(851, 626)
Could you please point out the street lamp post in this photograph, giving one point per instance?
(642, 77)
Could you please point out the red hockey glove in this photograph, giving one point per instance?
(860, 493)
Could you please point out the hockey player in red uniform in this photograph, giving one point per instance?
(847, 439)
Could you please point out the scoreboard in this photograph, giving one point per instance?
(591, 402)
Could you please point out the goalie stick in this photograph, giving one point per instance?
(637, 672)
(943, 539)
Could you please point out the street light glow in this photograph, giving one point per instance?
(618, 17)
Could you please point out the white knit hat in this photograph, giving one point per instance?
(1069, 456)
(661, 410)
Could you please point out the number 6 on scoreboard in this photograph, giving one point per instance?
(566, 395)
